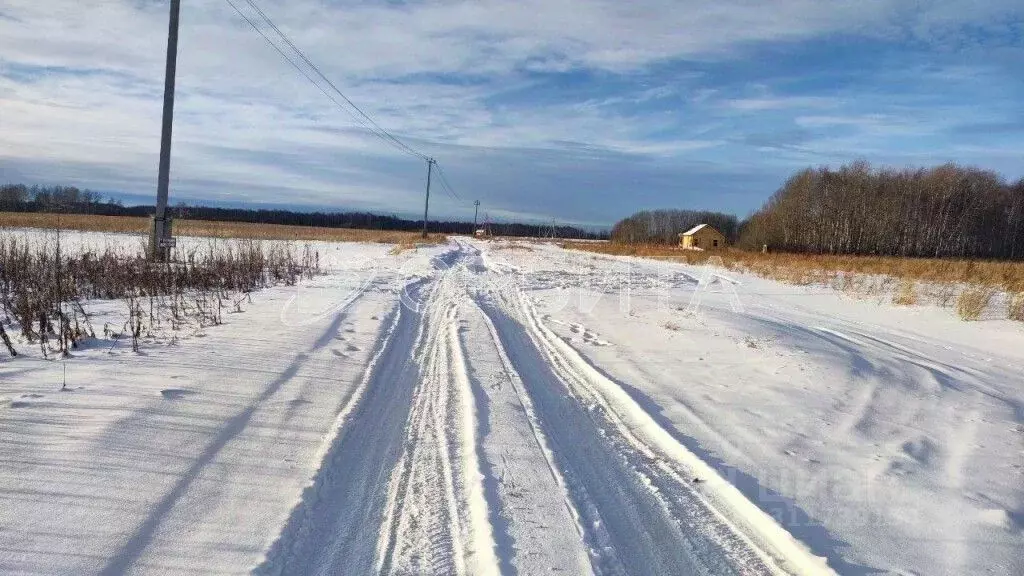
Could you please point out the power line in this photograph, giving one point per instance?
(285, 56)
(444, 184)
(359, 115)
(381, 131)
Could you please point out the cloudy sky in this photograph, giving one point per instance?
(580, 110)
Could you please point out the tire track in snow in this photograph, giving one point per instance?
(630, 479)
(437, 521)
(331, 529)
(626, 525)
(537, 526)
(422, 532)
(400, 489)
(397, 491)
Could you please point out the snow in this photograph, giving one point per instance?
(887, 438)
(152, 462)
(694, 230)
(490, 408)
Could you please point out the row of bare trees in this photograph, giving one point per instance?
(19, 197)
(664, 226)
(947, 211)
(43, 289)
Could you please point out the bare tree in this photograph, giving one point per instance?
(946, 211)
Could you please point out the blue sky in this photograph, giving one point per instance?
(579, 110)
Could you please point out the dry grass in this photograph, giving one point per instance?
(511, 246)
(204, 228)
(823, 268)
(907, 293)
(42, 289)
(89, 223)
(972, 302)
(1015, 307)
(405, 245)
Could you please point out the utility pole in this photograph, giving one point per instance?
(476, 212)
(426, 205)
(160, 241)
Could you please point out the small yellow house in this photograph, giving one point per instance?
(702, 237)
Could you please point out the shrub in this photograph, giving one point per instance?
(1015, 307)
(973, 302)
(42, 288)
(907, 294)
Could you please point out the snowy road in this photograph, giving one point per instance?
(484, 408)
(482, 445)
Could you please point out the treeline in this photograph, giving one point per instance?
(947, 211)
(69, 199)
(664, 226)
(22, 198)
(368, 221)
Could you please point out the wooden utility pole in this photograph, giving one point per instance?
(476, 212)
(160, 240)
(426, 205)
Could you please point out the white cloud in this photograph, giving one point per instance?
(876, 125)
(430, 71)
(780, 103)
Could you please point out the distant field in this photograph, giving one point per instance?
(972, 286)
(140, 225)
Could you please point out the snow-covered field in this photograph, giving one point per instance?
(487, 407)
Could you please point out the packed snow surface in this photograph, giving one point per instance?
(491, 407)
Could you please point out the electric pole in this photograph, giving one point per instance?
(476, 212)
(160, 241)
(426, 205)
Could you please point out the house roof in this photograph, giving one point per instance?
(694, 230)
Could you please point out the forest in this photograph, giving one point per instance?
(664, 226)
(948, 211)
(72, 200)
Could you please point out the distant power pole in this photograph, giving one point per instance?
(476, 212)
(160, 240)
(426, 205)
